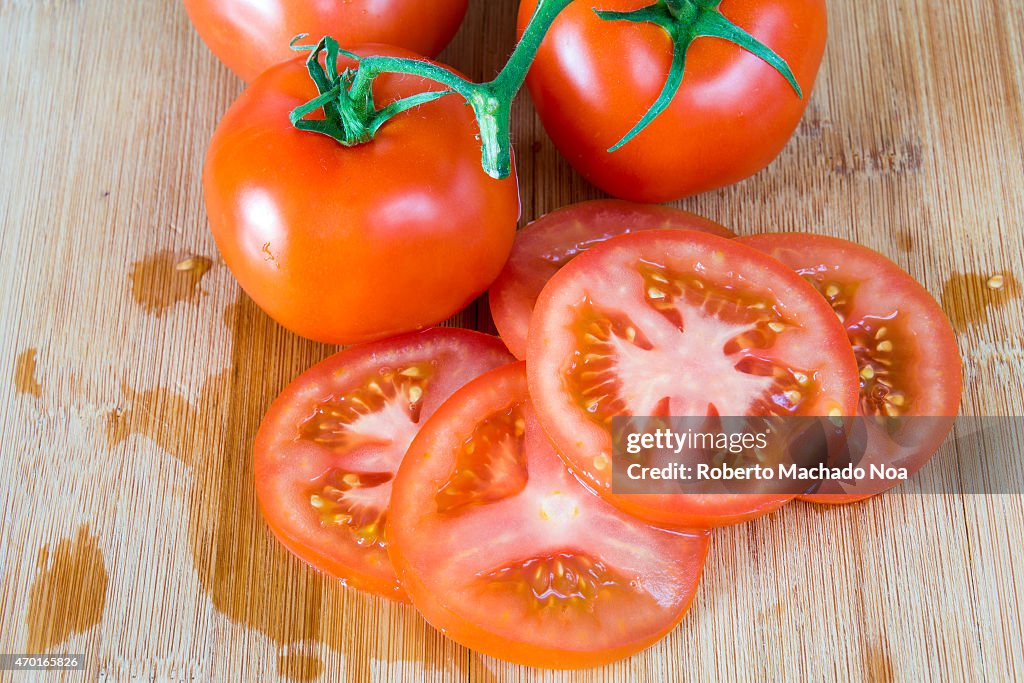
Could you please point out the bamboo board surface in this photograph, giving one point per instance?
(130, 390)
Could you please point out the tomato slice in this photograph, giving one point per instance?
(503, 550)
(680, 323)
(328, 449)
(550, 242)
(909, 364)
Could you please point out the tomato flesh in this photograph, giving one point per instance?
(686, 324)
(544, 246)
(907, 357)
(328, 449)
(250, 36)
(502, 549)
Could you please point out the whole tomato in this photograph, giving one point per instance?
(594, 79)
(250, 36)
(351, 244)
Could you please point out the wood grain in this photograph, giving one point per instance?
(134, 388)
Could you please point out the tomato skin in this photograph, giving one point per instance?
(286, 464)
(351, 244)
(930, 370)
(250, 36)
(816, 343)
(593, 80)
(547, 244)
(674, 560)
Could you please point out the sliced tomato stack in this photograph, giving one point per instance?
(432, 467)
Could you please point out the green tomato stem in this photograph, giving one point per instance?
(352, 118)
(682, 10)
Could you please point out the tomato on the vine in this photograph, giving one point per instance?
(909, 365)
(681, 323)
(328, 449)
(345, 244)
(595, 78)
(543, 247)
(250, 36)
(503, 550)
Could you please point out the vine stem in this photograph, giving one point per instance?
(352, 118)
(491, 101)
(513, 75)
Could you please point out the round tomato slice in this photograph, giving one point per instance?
(503, 550)
(547, 244)
(328, 449)
(673, 323)
(909, 364)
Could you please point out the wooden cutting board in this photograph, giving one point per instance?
(133, 383)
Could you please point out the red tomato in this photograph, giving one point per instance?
(906, 349)
(250, 36)
(351, 244)
(680, 323)
(328, 448)
(547, 244)
(594, 79)
(507, 553)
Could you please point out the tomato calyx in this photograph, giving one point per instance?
(685, 21)
(352, 118)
